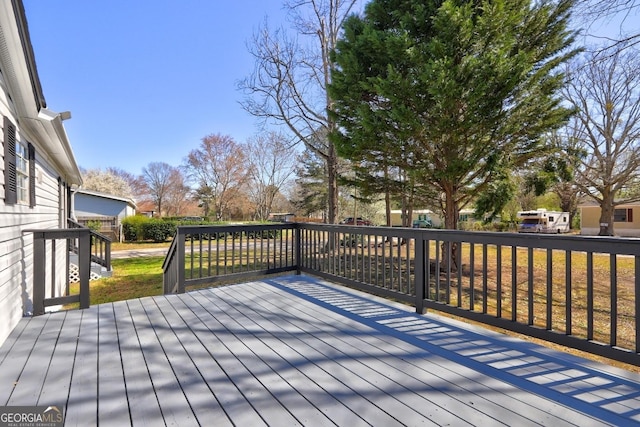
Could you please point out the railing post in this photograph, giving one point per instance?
(39, 262)
(420, 270)
(84, 265)
(180, 260)
(298, 242)
(637, 302)
(107, 254)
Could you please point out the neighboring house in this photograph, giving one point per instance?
(626, 219)
(107, 209)
(146, 208)
(37, 169)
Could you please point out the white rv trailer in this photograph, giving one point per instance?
(543, 221)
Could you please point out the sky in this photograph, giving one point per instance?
(146, 80)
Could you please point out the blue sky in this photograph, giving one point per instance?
(146, 80)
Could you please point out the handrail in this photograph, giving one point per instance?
(100, 246)
(576, 291)
(170, 267)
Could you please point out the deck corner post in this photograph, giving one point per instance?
(637, 302)
(84, 265)
(39, 249)
(420, 268)
(298, 249)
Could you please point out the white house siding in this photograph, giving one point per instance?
(16, 257)
(22, 102)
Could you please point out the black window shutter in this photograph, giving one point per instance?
(10, 177)
(32, 175)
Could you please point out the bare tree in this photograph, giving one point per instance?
(219, 169)
(620, 14)
(271, 165)
(606, 93)
(178, 198)
(290, 78)
(158, 178)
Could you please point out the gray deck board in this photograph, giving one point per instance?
(82, 406)
(58, 380)
(20, 345)
(367, 360)
(380, 406)
(169, 327)
(427, 373)
(143, 404)
(283, 380)
(174, 404)
(411, 382)
(112, 389)
(296, 367)
(240, 372)
(205, 350)
(37, 365)
(295, 350)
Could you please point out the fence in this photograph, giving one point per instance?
(109, 226)
(581, 292)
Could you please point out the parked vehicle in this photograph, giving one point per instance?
(358, 221)
(423, 221)
(543, 221)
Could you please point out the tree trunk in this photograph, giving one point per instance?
(387, 198)
(606, 217)
(332, 175)
(450, 252)
(387, 208)
(451, 210)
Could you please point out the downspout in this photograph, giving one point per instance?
(73, 203)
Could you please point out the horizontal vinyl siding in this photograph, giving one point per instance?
(90, 205)
(11, 313)
(16, 256)
(12, 287)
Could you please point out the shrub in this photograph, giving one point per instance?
(158, 230)
(132, 227)
(94, 225)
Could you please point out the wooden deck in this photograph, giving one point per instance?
(296, 350)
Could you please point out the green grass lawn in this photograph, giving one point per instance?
(117, 246)
(132, 278)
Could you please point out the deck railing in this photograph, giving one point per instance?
(100, 246)
(52, 249)
(576, 291)
(208, 254)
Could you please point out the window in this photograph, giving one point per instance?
(623, 215)
(19, 168)
(22, 173)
